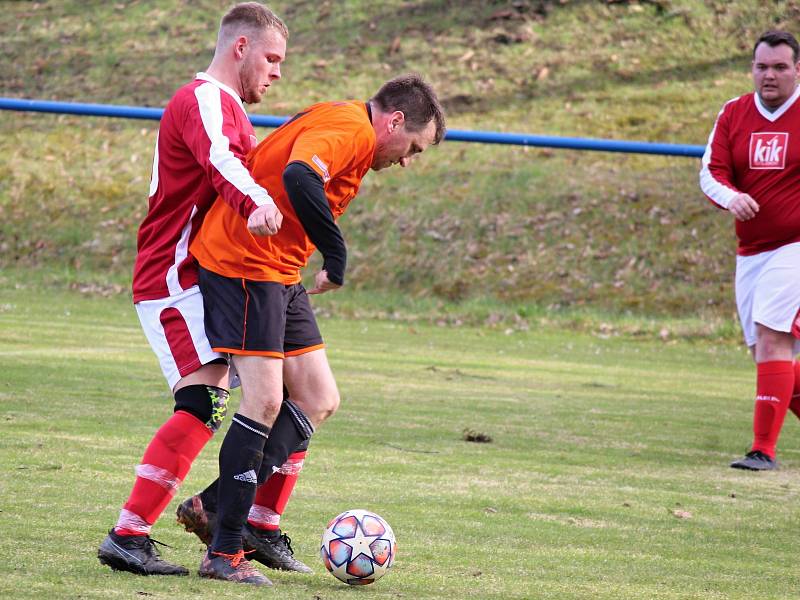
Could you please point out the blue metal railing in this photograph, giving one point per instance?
(453, 135)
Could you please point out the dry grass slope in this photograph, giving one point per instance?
(468, 223)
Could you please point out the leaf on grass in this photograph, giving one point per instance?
(470, 435)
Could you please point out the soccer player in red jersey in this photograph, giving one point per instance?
(751, 167)
(200, 152)
(257, 310)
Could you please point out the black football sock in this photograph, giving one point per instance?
(290, 433)
(209, 495)
(240, 459)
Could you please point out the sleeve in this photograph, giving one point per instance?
(333, 148)
(211, 135)
(307, 194)
(716, 173)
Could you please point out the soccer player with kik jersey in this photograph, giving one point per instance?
(200, 152)
(751, 167)
(257, 310)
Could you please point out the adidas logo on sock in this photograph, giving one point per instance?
(249, 477)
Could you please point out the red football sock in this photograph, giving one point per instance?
(794, 405)
(273, 495)
(165, 464)
(774, 388)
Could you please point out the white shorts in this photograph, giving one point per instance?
(176, 331)
(768, 291)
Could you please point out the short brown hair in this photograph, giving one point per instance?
(775, 38)
(416, 99)
(252, 18)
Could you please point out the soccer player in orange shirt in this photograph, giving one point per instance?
(257, 310)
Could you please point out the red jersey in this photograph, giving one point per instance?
(754, 151)
(203, 139)
(337, 141)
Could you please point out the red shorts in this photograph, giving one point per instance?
(261, 318)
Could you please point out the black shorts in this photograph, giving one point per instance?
(261, 318)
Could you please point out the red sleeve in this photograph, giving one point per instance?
(211, 133)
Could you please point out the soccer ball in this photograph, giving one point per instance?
(358, 547)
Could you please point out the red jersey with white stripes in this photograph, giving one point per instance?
(757, 152)
(203, 139)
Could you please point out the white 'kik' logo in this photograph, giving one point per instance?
(768, 150)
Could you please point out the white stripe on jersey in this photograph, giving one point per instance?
(230, 167)
(154, 176)
(181, 252)
(719, 193)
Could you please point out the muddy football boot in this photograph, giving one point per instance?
(136, 554)
(195, 519)
(274, 551)
(230, 567)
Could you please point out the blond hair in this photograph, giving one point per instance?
(251, 19)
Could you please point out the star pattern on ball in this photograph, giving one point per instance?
(358, 547)
(361, 544)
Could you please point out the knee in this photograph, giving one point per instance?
(321, 406)
(773, 345)
(329, 405)
(268, 410)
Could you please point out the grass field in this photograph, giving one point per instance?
(606, 478)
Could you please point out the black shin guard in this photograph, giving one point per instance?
(206, 402)
(290, 433)
(240, 458)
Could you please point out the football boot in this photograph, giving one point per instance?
(230, 567)
(136, 554)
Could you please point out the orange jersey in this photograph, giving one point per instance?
(337, 141)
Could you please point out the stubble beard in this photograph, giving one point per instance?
(250, 94)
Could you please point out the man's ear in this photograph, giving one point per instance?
(397, 120)
(239, 46)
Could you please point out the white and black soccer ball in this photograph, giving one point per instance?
(358, 547)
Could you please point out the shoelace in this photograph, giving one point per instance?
(234, 559)
(287, 541)
(151, 542)
(757, 454)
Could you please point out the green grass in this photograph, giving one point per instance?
(468, 223)
(607, 475)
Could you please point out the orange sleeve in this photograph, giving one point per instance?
(335, 146)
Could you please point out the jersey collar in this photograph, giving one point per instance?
(778, 112)
(220, 85)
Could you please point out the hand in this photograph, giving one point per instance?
(322, 284)
(743, 207)
(265, 220)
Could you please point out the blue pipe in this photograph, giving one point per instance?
(453, 135)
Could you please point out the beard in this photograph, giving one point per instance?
(250, 84)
